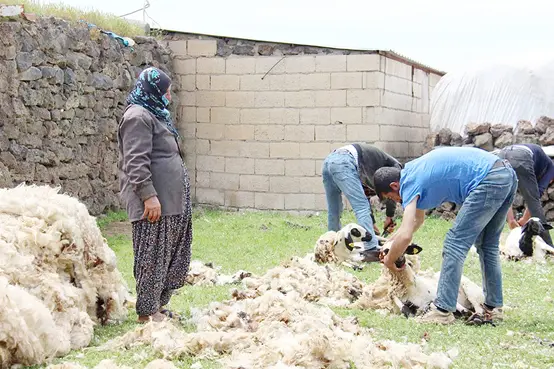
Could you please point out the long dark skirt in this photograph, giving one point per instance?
(162, 253)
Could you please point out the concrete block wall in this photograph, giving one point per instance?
(257, 128)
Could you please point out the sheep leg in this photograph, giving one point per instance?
(353, 266)
(401, 306)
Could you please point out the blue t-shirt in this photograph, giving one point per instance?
(444, 174)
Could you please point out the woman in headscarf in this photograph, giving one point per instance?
(155, 188)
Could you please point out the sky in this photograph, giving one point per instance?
(445, 35)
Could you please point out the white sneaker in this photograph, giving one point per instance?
(434, 315)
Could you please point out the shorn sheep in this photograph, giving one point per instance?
(525, 242)
(58, 277)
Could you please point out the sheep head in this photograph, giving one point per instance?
(533, 228)
(343, 245)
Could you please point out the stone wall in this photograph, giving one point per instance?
(259, 118)
(62, 93)
(489, 137)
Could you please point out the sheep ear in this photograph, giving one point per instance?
(355, 232)
(547, 226)
(413, 249)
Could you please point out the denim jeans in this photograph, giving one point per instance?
(479, 222)
(340, 174)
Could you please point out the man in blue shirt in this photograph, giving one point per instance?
(485, 186)
(535, 171)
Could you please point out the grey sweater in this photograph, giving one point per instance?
(371, 158)
(150, 163)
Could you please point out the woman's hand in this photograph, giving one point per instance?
(152, 209)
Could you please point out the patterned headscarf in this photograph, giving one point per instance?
(149, 91)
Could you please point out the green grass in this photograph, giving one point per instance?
(259, 241)
(108, 22)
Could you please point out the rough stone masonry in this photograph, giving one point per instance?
(62, 93)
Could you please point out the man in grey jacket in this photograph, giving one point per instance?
(348, 170)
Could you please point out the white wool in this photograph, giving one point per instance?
(160, 364)
(276, 330)
(54, 266)
(204, 274)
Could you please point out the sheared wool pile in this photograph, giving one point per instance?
(58, 277)
(277, 330)
(205, 274)
(109, 364)
(327, 284)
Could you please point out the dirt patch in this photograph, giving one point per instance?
(116, 229)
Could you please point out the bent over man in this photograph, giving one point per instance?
(346, 170)
(485, 186)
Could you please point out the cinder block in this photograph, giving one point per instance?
(210, 98)
(210, 196)
(398, 150)
(315, 116)
(272, 99)
(178, 47)
(239, 199)
(240, 99)
(362, 63)
(254, 116)
(330, 98)
(188, 131)
(239, 132)
(254, 82)
(300, 64)
(393, 133)
(398, 85)
(210, 163)
(434, 79)
(269, 201)
(398, 69)
(240, 65)
(270, 166)
(374, 80)
(313, 81)
(346, 115)
(320, 203)
(417, 90)
(284, 150)
(271, 64)
(318, 167)
(277, 82)
(302, 167)
(187, 98)
(330, 133)
(254, 150)
(330, 63)
(184, 66)
(346, 80)
(284, 116)
(188, 82)
(420, 76)
(188, 114)
(362, 132)
(254, 183)
(284, 184)
(203, 147)
(224, 181)
(300, 99)
(225, 83)
(299, 133)
(225, 148)
(203, 179)
(304, 201)
(363, 97)
(312, 184)
(315, 150)
(203, 82)
(416, 134)
(415, 149)
(372, 115)
(203, 115)
(210, 131)
(239, 165)
(225, 115)
(210, 66)
(269, 133)
(397, 101)
(202, 47)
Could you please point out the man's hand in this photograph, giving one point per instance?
(387, 260)
(376, 230)
(152, 209)
(389, 225)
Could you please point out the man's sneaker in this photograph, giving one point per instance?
(496, 314)
(434, 315)
(489, 316)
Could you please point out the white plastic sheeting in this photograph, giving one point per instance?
(492, 94)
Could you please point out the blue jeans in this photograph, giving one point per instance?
(479, 222)
(340, 174)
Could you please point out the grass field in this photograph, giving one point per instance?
(259, 241)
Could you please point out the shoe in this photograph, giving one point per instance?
(434, 315)
(496, 314)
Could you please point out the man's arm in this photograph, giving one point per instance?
(411, 221)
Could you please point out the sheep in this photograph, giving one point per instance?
(526, 242)
(409, 291)
(58, 277)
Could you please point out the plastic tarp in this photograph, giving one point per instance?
(492, 94)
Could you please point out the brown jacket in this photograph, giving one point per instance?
(150, 163)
